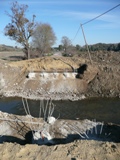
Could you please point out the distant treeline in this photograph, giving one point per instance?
(94, 47)
(8, 48)
(100, 46)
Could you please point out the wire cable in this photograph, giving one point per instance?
(76, 34)
(101, 14)
(94, 19)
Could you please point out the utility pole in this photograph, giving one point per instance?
(86, 44)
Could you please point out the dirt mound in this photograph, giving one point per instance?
(108, 64)
(47, 77)
(49, 64)
(79, 150)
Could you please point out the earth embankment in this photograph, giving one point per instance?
(62, 78)
(47, 77)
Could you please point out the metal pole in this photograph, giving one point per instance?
(86, 44)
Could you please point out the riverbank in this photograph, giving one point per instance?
(106, 83)
(95, 140)
(47, 77)
(78, 150)
(100, 79)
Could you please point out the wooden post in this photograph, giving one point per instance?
(86, 44)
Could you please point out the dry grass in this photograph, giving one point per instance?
(11, 55)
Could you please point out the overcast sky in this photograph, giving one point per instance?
(65, 17)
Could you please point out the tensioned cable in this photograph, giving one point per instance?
(76, 34)
(94, 19)
(101, 14)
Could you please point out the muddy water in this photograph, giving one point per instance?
(99, 109)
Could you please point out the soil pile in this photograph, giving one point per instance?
(48, 77)
(107, 81)
(101, 79)
(79, 150)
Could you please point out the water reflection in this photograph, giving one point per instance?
(100, 109)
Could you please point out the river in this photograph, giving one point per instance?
(99, 109)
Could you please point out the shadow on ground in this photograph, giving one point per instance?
(108, 133)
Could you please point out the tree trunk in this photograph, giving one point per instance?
(28, 54)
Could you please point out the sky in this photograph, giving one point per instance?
(66, 17)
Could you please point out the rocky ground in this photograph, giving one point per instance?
(104, 81)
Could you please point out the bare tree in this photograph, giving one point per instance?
(66, 42)
(43, 38)
(20, 29)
